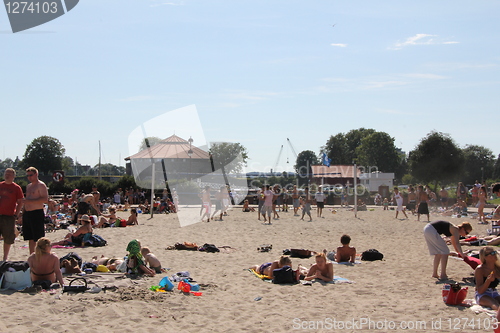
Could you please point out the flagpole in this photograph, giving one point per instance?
(355, 172)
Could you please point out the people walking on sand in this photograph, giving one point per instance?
(481, 197)
(261, 199)
(11, 202)
(34, 217)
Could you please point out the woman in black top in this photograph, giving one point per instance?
(486, 276)
(437, 246)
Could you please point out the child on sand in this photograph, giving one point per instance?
(135, 260)
(151, 260)
(345, 252)
(246, 208)
(386, 204)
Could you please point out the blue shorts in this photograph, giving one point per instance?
(493, 293)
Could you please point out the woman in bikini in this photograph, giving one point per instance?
(268, 267)
(44, 265)
(107, 219)
(321, 269)
(132, 219)
(486, 276)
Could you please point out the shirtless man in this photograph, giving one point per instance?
(412, 200)
(295, 200)
(97, 198)
(444, 197)
(11, 202)
(87, 202)
(423, 206)
(34, 217)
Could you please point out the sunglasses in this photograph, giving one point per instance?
(491, 253)
(30, 174)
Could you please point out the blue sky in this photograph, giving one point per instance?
(258, 72)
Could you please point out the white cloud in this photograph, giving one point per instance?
(339, 45)
(425, 76)
(421, 39)
(164, 3)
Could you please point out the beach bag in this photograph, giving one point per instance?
(265, 248)
(16, 280)
(284, 274)
(300, 253)
(75, 287)
(372, 255)
(96, 241)
(72, 255)
(454, 294)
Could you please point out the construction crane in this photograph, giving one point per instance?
(291, 147)
(277, 160)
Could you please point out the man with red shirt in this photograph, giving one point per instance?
(11, 202)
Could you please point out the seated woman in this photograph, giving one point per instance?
(135, 260)
(44, 265)
(77, 238)
(486, 276)
(268, 268)
(321, 269)
(132, 219)
(107, 219)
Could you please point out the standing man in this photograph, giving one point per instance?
(306, 209)
(33, 217)
(320, 201)
(97, 200)
(444, 197)
(268, 204)
(398, 198)
(11, 202)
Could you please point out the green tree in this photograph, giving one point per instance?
(149, 142)
(109, 169)
(496, 169)
(479, 163)
(336, 149)
(44, 153)
(303, 164)
(341, 148)
(378, 149)
(436, 158)
(229, 157)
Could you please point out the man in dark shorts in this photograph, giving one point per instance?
(11, 202)
(34, 217)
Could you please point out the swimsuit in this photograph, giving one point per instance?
(262, 267)
(491, 291)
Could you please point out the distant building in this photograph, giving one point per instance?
(373, 180)
(173, 158)
(335, 175)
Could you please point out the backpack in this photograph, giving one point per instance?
(72, 255)
(284, 274)
(209, 248)
(96, 241)
(371, 255)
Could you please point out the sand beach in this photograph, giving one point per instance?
(383, 295)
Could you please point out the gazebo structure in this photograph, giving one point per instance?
(173, 158)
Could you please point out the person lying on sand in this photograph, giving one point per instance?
(268, 267)
(322, 269)
(110, 263)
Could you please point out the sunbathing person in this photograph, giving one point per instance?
(486, 276)
(345, 252)
(268, 268)
(110, 263)
(77, 238)
(44, 265)
(322, 269)
(246, 208)
(135, 260)
(132, 219)
(107, 219)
